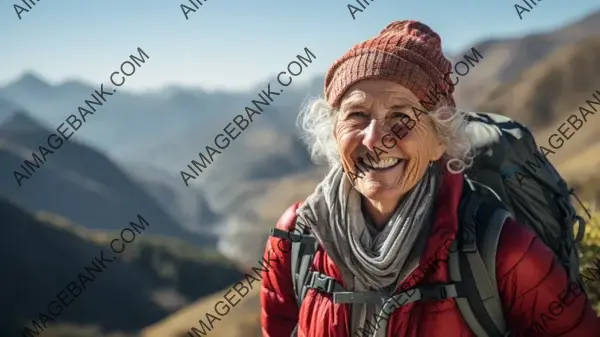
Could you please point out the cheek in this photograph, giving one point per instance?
(419, 141)
(415, 141)
(347, 139)
(346, 136)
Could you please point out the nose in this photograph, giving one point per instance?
(372, 135)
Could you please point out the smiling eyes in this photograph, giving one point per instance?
(357, 114)
(362, 114)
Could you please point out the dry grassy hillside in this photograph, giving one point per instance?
(549, 91)
(241, 321)
(505, 59)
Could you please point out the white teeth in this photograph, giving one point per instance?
(385, 163)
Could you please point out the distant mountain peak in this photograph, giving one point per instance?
(22, 120)
(30, 80)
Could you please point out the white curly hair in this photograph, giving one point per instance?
(317, 119)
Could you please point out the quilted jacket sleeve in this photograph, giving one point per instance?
(538, 298)
(279, 311)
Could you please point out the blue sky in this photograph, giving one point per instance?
(233, 44)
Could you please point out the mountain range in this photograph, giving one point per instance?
(78, 182)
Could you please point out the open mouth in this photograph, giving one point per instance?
(383, 164)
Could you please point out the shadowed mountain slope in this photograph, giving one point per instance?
(151, 278)
(76, 181)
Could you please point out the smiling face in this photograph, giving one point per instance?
(374, 122)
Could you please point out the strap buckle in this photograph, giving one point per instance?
(293, 237)
(359, 297)
(433, 292)
(390, 305)
(322, 282)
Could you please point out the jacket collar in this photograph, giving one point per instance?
(442, 231)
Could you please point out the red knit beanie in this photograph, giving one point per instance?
(406, 52)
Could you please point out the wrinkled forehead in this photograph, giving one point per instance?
(370, 92)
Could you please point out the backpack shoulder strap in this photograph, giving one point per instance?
(303, 249)
(302, 258)
(473, 266)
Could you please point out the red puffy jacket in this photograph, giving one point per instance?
(536, 294)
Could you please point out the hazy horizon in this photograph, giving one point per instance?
(62, 41)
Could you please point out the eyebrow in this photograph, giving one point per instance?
(400, 106)
(354, 103)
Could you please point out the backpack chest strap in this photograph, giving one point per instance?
(304, 246)
(327, 284)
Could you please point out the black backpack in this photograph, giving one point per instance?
(528, 185)
(502, 182)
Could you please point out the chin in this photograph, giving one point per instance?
(378, 190)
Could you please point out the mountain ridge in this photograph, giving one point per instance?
(75, 172)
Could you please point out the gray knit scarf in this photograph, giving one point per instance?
(369, 260)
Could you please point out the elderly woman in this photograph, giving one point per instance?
(378, 223)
